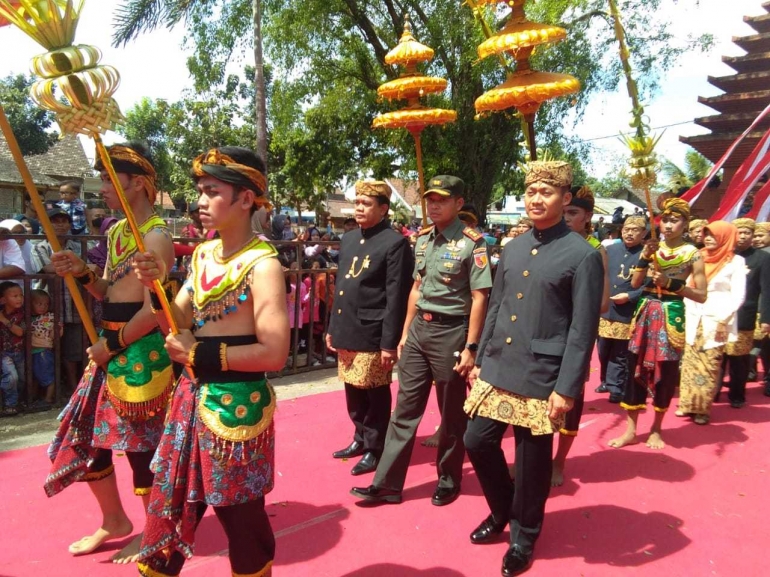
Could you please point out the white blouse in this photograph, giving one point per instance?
(725, 295)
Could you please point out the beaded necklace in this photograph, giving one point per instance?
(122, 245)
(218, 285)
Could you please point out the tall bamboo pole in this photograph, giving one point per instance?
(157, 284)
(45, 222)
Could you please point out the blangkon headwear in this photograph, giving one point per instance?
(555, 172)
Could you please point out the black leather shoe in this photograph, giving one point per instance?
(354, 449)
(737, 404)
(601, 389)
(616, 398)
(487, 531)
(443, 496)
(767, 390)
(367, 464)
(515, 562)
(376, 495)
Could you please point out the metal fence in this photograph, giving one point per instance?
(310, 315)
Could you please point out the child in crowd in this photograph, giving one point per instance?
(11, 344)
(73, 205)
(43, 367)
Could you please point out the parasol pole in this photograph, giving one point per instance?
(416, 132)
(529, 134)
(45, 222)
(157, 284)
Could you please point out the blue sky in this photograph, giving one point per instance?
(154, 66)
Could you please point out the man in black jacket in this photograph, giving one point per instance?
(738, 354)
(375, 276)
(538, 336)
(615, 324)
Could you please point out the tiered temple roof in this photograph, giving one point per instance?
(746, 94)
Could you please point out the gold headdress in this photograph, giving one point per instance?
(639, 221)
(225, 168)
(128, 161)
(697, 222)
(676, 206)
(763, 226)
(555, 173)
(373, 188)
(745, 223)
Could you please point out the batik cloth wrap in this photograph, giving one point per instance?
(217, 285)
(700, 372)
(657, 330)
(614, 330)
(218, 447)
(486, 400)
(91, 421)
(742, 346)
(363, 369)
(122, 245)
(657, 335)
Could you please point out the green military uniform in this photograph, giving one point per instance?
(449, 264)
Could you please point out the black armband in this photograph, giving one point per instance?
(87, 277)
(113, 342)
(208, 356)
(675, 285)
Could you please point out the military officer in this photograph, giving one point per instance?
(451, 281)
(615, 324)
(538, 336)
(372, 291)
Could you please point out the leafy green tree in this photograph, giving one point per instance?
(31, 124)
(696, 168)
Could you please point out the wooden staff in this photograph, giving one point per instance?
(157, 285)
(420, 173)
(653, 234)
(45, 222)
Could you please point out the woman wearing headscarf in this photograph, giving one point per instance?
(98, 254)
(713, 323)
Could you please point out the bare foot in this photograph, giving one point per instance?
(91, 543)
(655, 441)
(129, 553)
(625, 439)
(557, 476)
(431, 441)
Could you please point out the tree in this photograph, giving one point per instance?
(31, 124)
(216, 29)
(331, 49)
(696, 168)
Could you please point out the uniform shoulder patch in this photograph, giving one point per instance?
(472, 233)
(426, 230)
(480, 257)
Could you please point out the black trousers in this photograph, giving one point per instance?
(635, 395)
(613, 356)
(427, 357)
(140, 467)
(250, 540)
(572, 419)
(764, 355)
(738, 368)
(369, 409)
(524, 505)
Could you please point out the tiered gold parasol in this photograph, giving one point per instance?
(411, 86)
(74, 72)
(525, 89)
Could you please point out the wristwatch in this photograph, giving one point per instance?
(472, 347)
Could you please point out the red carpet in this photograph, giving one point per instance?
(697, 508)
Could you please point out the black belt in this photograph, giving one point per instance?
(439, 318)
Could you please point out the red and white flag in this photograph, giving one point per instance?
(694, 193)
(749, 173)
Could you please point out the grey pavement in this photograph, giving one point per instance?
(38, 428)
